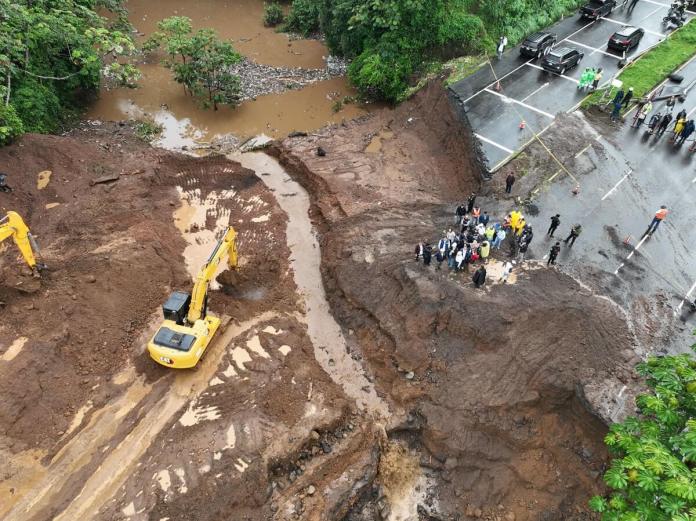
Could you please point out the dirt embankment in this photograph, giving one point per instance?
(91, 427)
(497, 383)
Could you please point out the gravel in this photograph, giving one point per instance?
(258, 79)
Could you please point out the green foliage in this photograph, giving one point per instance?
(303, 17)
(38, 106)
(382, 72)
(392, 40)
(148, 130)
(272, 14)
(652, 474)
(60, 49)
(199, 60)
(518, 18)
(10, 124)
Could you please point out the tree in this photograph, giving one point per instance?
(653, 472)
(65, 47)
(198, 60)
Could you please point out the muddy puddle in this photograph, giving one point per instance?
(330, 348)
(185, 123)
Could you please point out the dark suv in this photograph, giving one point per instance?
(561, 59)
(625, 38)
(597, 8)
(537, 45)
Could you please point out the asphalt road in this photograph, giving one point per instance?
(526, 92)
(630, 174)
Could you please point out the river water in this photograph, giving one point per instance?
(184, 121)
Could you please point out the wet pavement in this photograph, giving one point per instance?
(499, 96)
(628, 176)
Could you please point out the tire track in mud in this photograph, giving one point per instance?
(330, 348)
(69, 464)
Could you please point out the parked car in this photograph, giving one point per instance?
(537, 45)
(561, 59)
(625, 38)
(597, 8)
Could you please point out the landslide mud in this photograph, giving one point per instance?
(91, 427)
(502, 387)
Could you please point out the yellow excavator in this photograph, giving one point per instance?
(12, 225)
(187, 328)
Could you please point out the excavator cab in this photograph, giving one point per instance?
(187, 328)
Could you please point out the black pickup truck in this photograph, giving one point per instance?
(597, 8)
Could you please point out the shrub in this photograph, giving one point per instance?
(272, 14)
(461, 33)
(651, 475)
(148, 130)
(10, 124)
(38, 106)
(303, 17)
(382, 72)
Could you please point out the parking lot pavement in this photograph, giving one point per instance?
(623, 182)
(502, 94)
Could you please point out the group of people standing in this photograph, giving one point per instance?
(475, 237)
(659, 122)
(590, 78)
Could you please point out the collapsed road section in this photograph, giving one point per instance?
(504, 386)
(350, 384)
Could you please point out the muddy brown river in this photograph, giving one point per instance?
(184, 121)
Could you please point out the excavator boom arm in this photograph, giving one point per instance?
(13, 226)
(225, 246)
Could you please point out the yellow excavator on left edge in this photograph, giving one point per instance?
(12, 225)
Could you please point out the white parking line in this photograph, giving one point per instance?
(631, 254)
(561, 75)
(623, 24)
(513, 100)
(594, 49)
(537, 90)
(498, 80)
(681, 304)
(491, 142)
(582, 151)
(617, 184)
(690, 112)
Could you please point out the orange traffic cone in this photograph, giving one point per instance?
(576, 190)
(498, 88)
(627, 240)
(522, 124)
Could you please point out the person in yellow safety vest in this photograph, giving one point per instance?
(485, 250)
(515, 216)
(659, 217)
(520, 226)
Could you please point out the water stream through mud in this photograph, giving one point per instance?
(185, 123)
(330, 348)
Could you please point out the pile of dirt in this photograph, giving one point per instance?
(500, 385)
(94, 429)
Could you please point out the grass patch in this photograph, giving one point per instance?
(148, 130)
(461, 67)
(654, 66)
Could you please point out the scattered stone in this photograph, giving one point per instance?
(91, 279)
(410, 375)
(325, 447)
(311, 490)
(314, 435)
(321, 152)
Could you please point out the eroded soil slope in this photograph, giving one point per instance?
(91, 428)
(499, 382)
